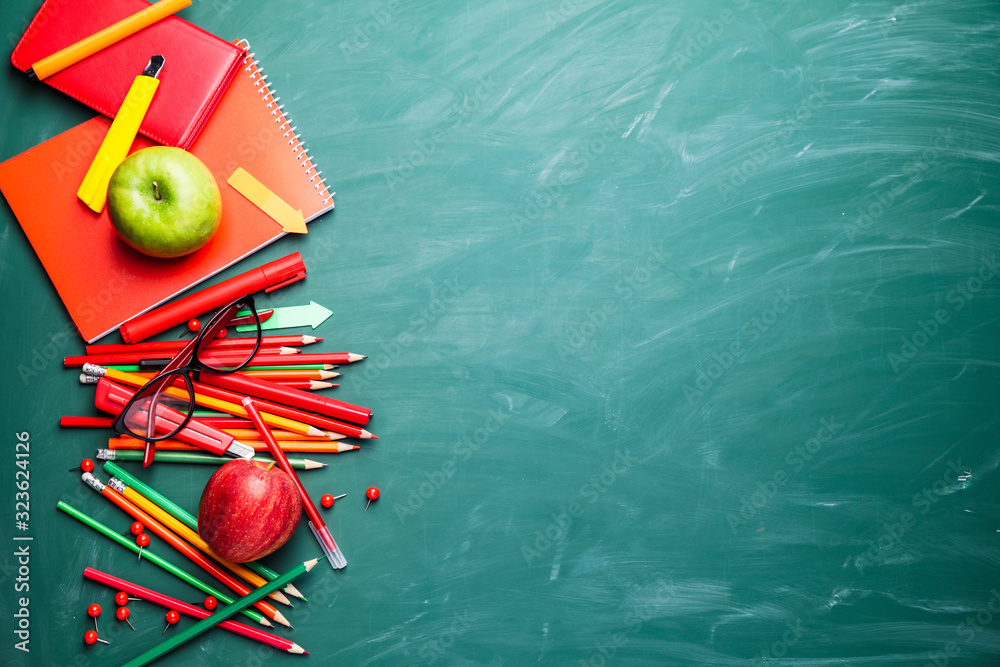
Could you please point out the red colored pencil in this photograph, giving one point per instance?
(316, 421)
(70, 421)
(180, 545)
(218, 343)
(294, 446)
(149, 595)
(285, 354)
(271, 392)
(291, 374)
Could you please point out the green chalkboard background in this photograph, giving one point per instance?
(682, 322)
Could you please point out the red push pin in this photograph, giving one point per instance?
(136, 529)
(327, 500)
(222, 333)
(172, 617)
(94, 611)
(90, 637)
(122, 598)
(211, 603)
(143, 541)
(372, 494)
(194, 326)
(122, 615)
(86, 465)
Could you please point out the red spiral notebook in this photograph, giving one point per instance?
(102, 281)
(197, 70)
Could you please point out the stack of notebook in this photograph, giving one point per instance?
(213, 100)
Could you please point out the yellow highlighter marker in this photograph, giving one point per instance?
(94, 189)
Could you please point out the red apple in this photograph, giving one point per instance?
(248, 510)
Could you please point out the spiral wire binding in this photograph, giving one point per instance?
(277, 110)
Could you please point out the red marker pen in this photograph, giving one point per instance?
(268, 277)
(112, 398)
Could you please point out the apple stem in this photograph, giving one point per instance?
(156, 191)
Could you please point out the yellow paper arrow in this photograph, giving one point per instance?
(274, 206)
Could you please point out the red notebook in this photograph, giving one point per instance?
(102, 281)
(198, 66)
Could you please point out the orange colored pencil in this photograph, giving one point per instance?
(177, 543)
(213, 403)
(300, 446)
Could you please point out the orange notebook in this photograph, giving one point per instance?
(102, 281)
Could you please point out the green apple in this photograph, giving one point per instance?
(164, 202)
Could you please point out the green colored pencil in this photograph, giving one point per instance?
(194, 457)
(222, 614)
(157, 560)
(182, 515)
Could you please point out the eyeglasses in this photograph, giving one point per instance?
(170, 394)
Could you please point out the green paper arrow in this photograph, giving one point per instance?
(292, 316)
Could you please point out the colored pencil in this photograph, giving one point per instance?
(271, 393)
(318, 526)
(149, 595)
(196, 458)
(210, 396)
(192, 536)
(135, 368)
(72, 421)
(219, 616)
(302, 385)
(220, 356)
(283, 411)
(215, 404)
(303, 358)
(294, 446)
(180, 545)
(156, 560)
(290, 375)
(217, 344)
(181, 515)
